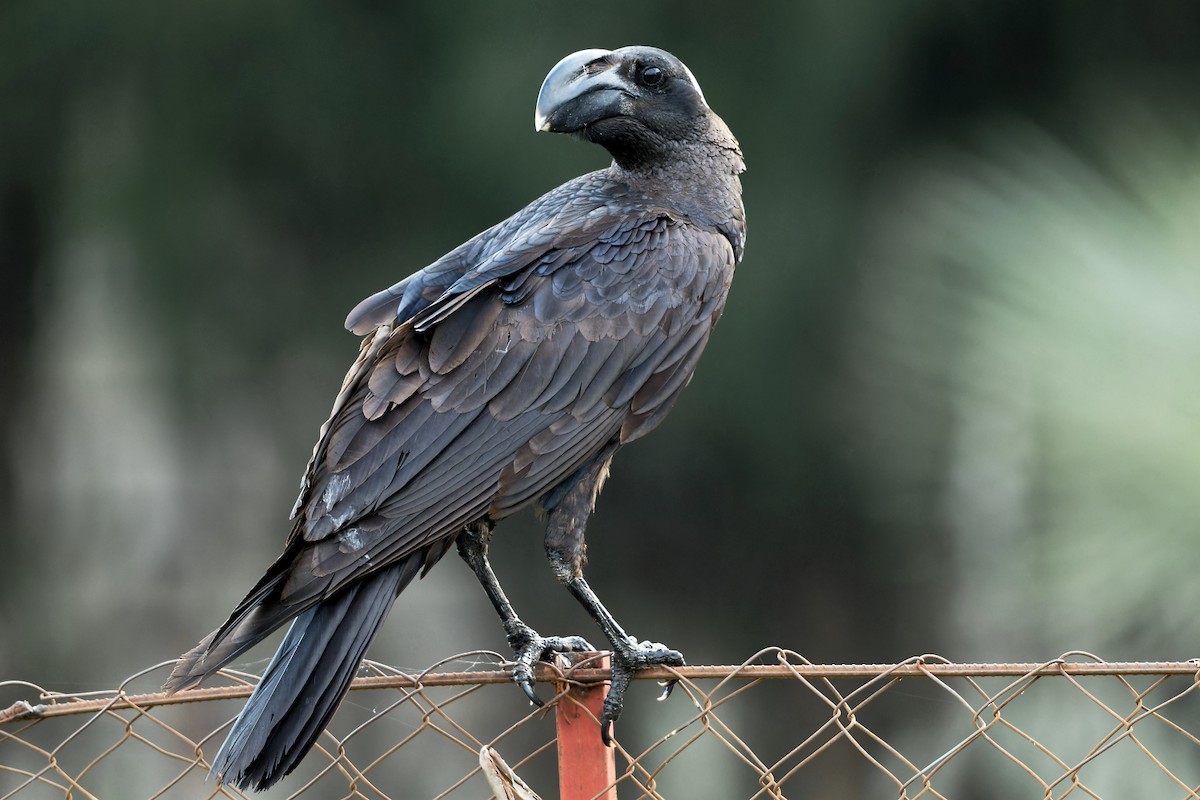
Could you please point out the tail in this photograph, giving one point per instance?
(305, 681)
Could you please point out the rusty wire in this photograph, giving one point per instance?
(1074, 726)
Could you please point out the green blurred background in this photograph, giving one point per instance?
(952, 406)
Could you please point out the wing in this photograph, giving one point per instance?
(574, 210)
(498, 391)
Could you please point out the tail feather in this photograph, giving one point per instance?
(215, 651)
(256, 617)
(307, 679)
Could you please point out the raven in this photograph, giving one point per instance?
(507, 373)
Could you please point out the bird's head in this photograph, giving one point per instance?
(635, 102)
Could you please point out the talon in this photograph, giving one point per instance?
(626, 662)
(614, 702)
(530, 648)
(523, 675)
(527, 688)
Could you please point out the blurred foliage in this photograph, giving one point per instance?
(951, 406)
(1030, 337)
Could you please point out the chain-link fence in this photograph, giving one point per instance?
(774, 726)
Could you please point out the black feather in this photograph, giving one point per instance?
(306, 680)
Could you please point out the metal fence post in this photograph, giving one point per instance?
(586, 768)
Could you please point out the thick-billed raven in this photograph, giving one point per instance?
(507, 373)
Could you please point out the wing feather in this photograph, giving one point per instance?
(591, 358)
(550, 458)
(455, 339)
(534, 377)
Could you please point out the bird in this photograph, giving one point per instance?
(506, 374)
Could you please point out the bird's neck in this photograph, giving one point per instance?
(700, 177)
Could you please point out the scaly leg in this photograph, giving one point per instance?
(528, 646)
(565, 548)
(628, 656)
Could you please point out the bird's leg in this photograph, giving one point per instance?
(629, 655)
(565, 549)
(528, 646)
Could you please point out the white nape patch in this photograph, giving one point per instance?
(335, 489)
(351, 539)
(695, 84)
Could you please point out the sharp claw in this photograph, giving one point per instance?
(527, 688)
(530, 648)
(625, 665)
(613, 705)
(614, 701)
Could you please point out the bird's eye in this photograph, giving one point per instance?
(651, 76)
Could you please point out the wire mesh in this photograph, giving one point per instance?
(774, 726)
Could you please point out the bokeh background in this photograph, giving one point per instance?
(953, 406)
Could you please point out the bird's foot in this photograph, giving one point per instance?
(531, 648)
(626, 662)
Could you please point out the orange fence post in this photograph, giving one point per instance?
(587, 769)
